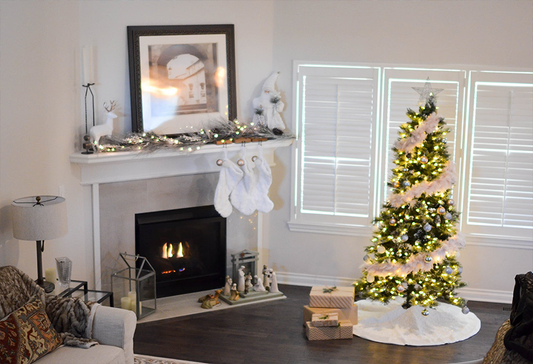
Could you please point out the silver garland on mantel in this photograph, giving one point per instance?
(220, 132)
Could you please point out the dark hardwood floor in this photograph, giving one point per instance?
(273, 333)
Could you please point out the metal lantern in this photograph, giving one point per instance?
(135, 286)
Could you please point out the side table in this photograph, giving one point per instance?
(80, 289)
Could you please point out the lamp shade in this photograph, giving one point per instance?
(39, 218)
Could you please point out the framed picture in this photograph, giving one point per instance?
(181, 77)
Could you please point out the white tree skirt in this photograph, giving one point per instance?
(391, 324)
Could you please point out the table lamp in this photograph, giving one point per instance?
(40, 218)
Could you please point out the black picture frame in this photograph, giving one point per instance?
(181, 76)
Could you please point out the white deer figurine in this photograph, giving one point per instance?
(101, 130)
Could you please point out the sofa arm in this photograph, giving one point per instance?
(114, 326)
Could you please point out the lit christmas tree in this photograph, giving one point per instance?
(414, 247)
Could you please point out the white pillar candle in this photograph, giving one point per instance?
(125, 303)
(50, 275)
(87, 59)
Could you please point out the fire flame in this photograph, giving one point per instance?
(168, 251)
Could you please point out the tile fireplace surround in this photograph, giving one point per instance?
(126, 183)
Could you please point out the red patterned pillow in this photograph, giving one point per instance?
(27, 334)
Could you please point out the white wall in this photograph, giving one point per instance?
(442, 33)
(41, 115)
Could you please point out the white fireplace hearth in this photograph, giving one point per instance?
(125, 183)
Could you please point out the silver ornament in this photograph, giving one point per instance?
(405, 237)
(366, 257)
(381, 249)
(441, 210)
(448, 270)
(424, 159)
(448, 216)
(400, 288)
(392, 222)
(427, 228)
(451, 202)
(460, 270)
(425, 312)
(428, 259)
(465, 310)
(406, 183)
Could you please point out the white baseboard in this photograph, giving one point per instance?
(486, 295)
(308, 280)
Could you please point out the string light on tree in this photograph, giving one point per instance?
(416, 238)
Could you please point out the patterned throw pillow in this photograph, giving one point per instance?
(27, 334)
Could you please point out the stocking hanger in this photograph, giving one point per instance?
(221, 161)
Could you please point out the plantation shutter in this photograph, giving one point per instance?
(400, 95)
(337, 117)
(500, 181)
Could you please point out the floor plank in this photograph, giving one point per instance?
(272, 332)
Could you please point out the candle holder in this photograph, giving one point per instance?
(87, 145)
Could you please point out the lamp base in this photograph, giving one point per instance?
(47, 286)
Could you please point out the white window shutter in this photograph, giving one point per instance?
(337, 119)
(500, 178)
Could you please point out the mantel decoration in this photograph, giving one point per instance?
(221, 132)
(181, 76)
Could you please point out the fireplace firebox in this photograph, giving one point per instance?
(186, 247)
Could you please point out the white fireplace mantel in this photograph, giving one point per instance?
(131, 166)
(99, 168)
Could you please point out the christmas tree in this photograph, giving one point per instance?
(415, 243)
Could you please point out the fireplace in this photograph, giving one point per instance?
(186, 247)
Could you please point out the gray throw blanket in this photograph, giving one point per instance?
(71, 317)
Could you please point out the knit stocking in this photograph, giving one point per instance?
(230, 175)
(241, 196)
(264, 180)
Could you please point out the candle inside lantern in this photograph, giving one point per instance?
(125, 303)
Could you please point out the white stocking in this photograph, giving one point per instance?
(230, 175)
(241, 196)
(264, 180)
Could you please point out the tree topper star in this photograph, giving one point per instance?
(426, 91)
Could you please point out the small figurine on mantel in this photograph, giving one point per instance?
(273, 283)
(234, 293)
(248, 283)
(240, 283)
(211, 300)
(268, 106)
(266, 277)
(99, 131)
(258, 287)
(227, 287)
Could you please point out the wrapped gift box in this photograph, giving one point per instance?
(325, 319)
(343, 331)
(349, 314)
(338, 297)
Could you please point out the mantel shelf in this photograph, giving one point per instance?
(131, 166)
